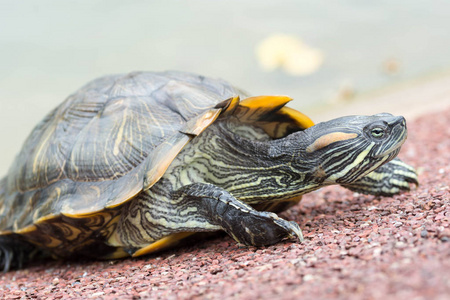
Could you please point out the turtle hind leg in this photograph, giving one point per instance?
(390, 179)
(14, 252)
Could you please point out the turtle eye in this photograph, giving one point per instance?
(377, 132)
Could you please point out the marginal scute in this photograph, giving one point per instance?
(228, 106)
(196, 125)
(163, 243)
(258, 108)
(302, 120)
(271, 114)
(161, 158)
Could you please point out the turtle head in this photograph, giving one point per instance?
(347, 148)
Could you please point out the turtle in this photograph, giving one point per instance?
(134, 163)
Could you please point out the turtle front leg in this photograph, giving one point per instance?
(242, 222)
(390, 179)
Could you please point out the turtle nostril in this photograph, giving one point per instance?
(397, 121)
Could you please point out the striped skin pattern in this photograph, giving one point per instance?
(256, 171)
(388, 180)
(102, 175)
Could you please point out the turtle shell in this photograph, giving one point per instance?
(117, 136)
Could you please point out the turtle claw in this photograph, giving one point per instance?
(291, 227)
(262, 229)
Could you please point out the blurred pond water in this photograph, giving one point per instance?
(50, 48)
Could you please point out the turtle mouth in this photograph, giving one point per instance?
(392, 149)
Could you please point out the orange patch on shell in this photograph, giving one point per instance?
(301, 120)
